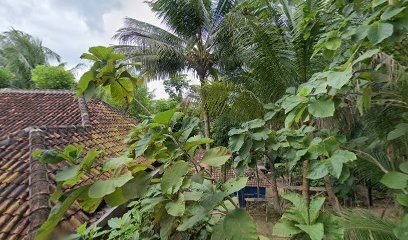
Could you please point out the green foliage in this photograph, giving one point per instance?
(360, 224)
(49, 77)
(5, 77)
(21, 53)
(301, 220)
(110, 71)
(175, 86)
(182, 203)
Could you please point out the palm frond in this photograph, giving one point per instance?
(362, 225)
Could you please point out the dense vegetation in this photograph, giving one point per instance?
(315, 89)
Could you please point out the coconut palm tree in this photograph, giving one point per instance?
(21, 53)
(192, 43)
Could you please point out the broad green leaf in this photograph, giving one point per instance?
(315, 231)
(300, 206)
(239, 225)
(102, 188)
(379, 31)
(367, 55)
(236, 142)
(57, 212)
(235, 131)
(166, 226)
(218, 231)
(121, 88)
(402, 199)
(395, 180)
(164, 117)
(332, 228)
(401, 231)
(234, 185)
(67, 173)
(256, 123)
(399, 131)
(322, 108)
(192, 196)
(291, 102)
(314, 208)
(337, 79)
(137, 186)
(391, 12)
(88, 204)
(49, 156)
(198, 214)
(195, 141)
(116, 162)
(216, 157)
(71, 153)
(333, 43)
(173, 177)
(285, 228)
(186, 131)
(142, 145)
(317, 171)
(116, 198)
(290, 118)
(336, 161)
(261, 135)
(404, 167)
(89, 159)
(150, 203)
(101, 52)
(85, 80)
(176, 208)
(89, 57)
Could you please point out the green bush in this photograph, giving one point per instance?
(50, 77)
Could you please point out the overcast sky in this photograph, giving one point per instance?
(70, 27)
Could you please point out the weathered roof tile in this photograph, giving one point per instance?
(58, 114)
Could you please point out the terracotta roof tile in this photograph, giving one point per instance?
(58, 114)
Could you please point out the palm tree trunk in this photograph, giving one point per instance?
(306, 187)
(206, 117)
(206, 127)
(330, 193)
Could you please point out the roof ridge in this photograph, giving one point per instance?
(29, 91)
(117, 110)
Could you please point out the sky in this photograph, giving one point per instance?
(70, 27)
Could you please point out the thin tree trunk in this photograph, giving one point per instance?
(330, 193)
(306, 187)
(206, 128)
(206, 117)
(274, 188)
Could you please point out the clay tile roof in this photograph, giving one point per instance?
(62, 119)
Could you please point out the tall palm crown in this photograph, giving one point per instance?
(21, 53)
(276, 40)
(192, 42)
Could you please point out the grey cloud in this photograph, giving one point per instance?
(91, 10)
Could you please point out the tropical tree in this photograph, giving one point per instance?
(50, 77)
(21, 53)
(5, 77)
(275, 41)
(175, 85)
(191, 44)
